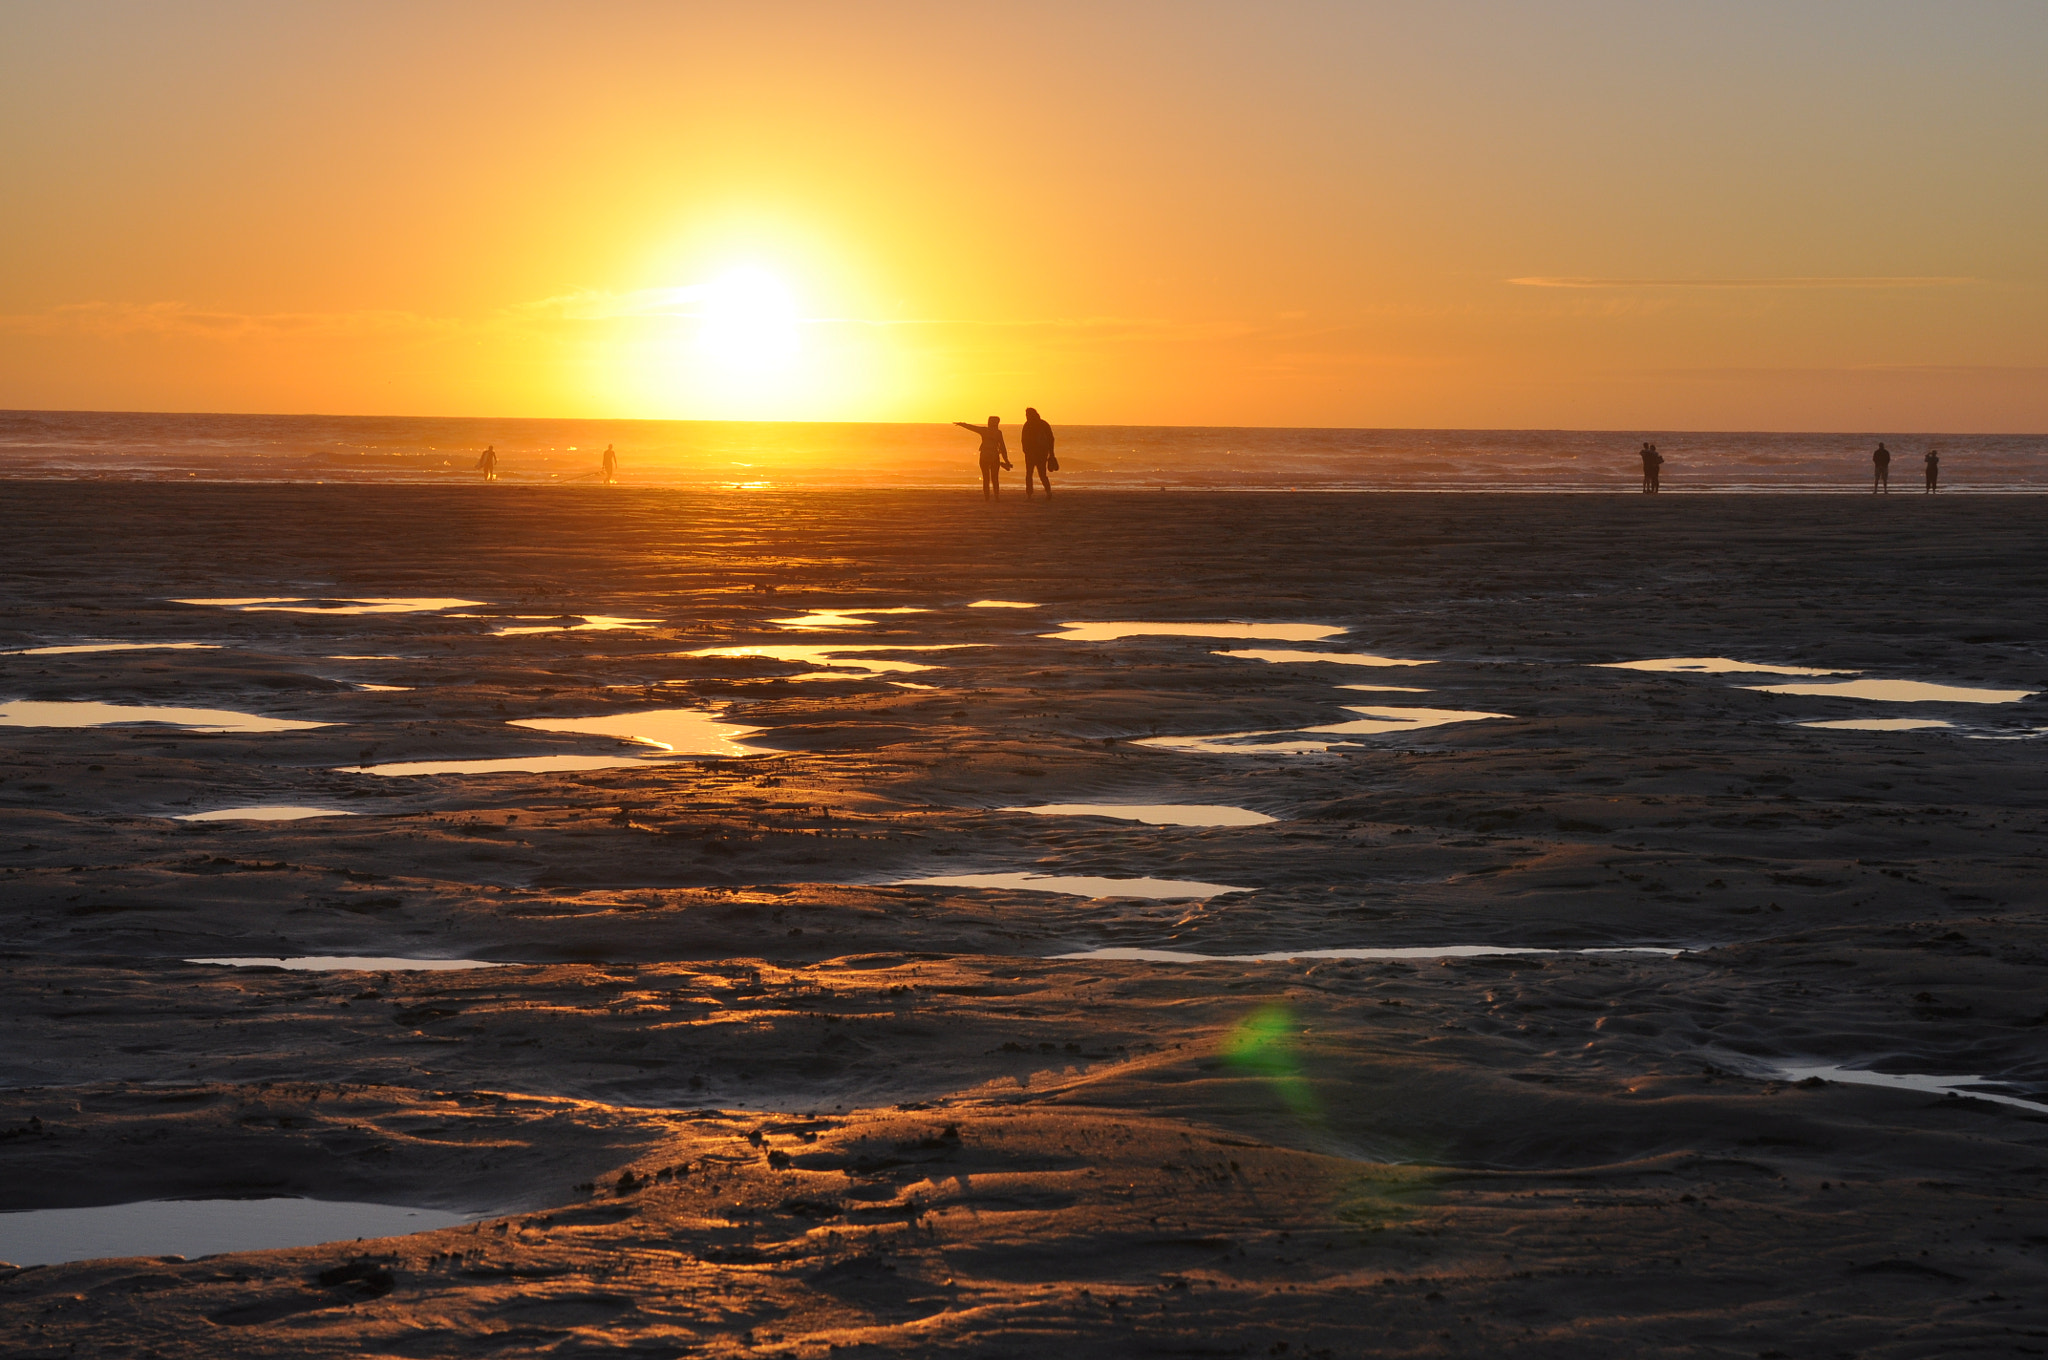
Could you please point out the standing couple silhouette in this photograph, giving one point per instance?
(1039, 457)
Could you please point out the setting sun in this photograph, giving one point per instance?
(747, 324)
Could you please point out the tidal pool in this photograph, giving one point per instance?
(500, 765)
(1905, 1081)
(1879, 724)
(202, 1227)
(274, 812)
(1285, 657)
(1153, 814)
(1450, 951)
(65, 713)
(1388, 689)
(1279, 632)
(1077, 886)
(1003, 604)
(587, 623)
(71, 647)
(1713, 665)
(352, 963)
(1294, 740)
(840, 618)
(341, 604)
(839, 657)
(679, 731)
(1899, 692)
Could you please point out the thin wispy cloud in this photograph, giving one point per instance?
(118, 319)
(1793, 281)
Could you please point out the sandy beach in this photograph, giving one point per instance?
(1644, 971)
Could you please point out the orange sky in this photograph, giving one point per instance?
(1727, 216)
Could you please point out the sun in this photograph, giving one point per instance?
(747, 323)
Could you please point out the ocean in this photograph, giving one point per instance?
(425, 449)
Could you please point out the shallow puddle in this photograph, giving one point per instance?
(1294, 740)
(203, 1227)
(1279, 632)
(1003, 604)
(1452, 951)
(384, 689)
(1285, 657)
(277, 812)
(1713, 665)
(1879, 724)
(1153, 814)
(352, 963)
(584, 623)
(55, 713)
(839, 657)
(1900, 692)
(1078, 886)
(349, 604)
(840, 618)
(499, 765)
(1389, 689)
(678, 731)
(1905, 1081)
(68, 648)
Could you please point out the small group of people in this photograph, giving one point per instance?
(607, 473)
(1653, 463)
(1039, 458)
(1881, 461)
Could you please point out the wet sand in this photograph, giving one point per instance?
(735, 1094)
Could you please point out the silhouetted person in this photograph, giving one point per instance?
(1933, 471)
(1653, 463)
(1882, 461)
(487, 463)
(1038, 454)
(611, 466)
(995, 454)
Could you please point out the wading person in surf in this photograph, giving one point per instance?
(1882, 462)
(1038, 454)
(1933, 461)
(487, 463)
(995, 454)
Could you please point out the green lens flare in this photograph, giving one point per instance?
(1263, 1044)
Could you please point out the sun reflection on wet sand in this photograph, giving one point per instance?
(1078, 885)
(1712, 665)
(1153, 814)
(679, 731)
(818, 619)
(1899, 692)
(1283, 657)
(343, 604)
(57, 713)
(69, 648)
(1280, 632)
(853, 659)
(1879, 724)
(1373, 722)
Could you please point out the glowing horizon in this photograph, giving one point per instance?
(1508, 215)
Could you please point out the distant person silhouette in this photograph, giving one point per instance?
(1038, 455)
(995, 454)
(487, 463)
(1933, 471)
(1882, 461)
(611, 466)
(1653, 463)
